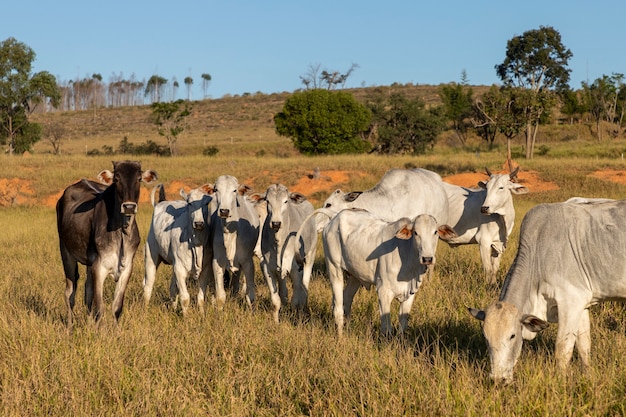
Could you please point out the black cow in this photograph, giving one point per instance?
(97, 228)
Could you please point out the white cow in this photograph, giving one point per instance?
(570, 257)
(399, 193)
(234, 233)
(177, 236)
(366, 250)
(484, 216)
(285, 213)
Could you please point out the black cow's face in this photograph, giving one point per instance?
(127, 178)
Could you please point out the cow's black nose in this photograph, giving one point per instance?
(276, 226)
(484, 209)
(224, 213)
(427, 260)
(129, 208)
(198, 225)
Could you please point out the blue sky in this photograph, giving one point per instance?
(249, 46)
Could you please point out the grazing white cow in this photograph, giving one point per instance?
(570, 257)
(234, 233)
(366, 250)
(399, 193)
(286, 212)
(178, 233)
(484, 216)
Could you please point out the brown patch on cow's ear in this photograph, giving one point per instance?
(256, 197)
(105, 177)
(206, 188)
(297, 197)
(404, 233)
(243, 189)
(446, 232)
(149, 176)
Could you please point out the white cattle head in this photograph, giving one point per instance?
(278, 198)
(226, 190)
(499, 189)
(339, 200)
(504, 327)
(425, 233)
(198, 200)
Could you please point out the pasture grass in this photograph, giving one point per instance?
(238, 362)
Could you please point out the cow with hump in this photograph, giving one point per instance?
(97, 228)
(178, 236)
(364, 250)
(234, 230)
(285, 214)
(570, 257)
(484, 216)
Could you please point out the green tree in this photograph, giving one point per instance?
(457, 102)
(572, 104)
(20, 93)
(536, 61)
(188, 82)
(606, 100)
(324, 122)
(403, 125)
(170, 119)
(154, 88)
(206, 80)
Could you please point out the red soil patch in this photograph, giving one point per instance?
(16, 191)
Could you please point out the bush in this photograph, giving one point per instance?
(210, 151)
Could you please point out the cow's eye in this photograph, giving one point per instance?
(327, 205)
(512, 337)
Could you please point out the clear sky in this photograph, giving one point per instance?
(249, 46)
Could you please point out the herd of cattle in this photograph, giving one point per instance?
(569, 255)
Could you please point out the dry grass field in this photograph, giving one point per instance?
(238, 362)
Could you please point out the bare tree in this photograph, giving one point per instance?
(188, 83)
(326, 79)
(206, 80)
(54, 132)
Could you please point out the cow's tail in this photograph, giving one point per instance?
(320, 223)
(153, 195)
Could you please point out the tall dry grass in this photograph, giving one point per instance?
(238, 362)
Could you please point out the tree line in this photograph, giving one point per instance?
(323, 119)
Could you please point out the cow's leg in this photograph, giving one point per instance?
(352, 286)
(486, 259)
(285, 271)
(385, 297)
(94, 289)
(335, 275)
(120, 288)
(405, 311)
(70, 268)
(583, 340)
(248, 272)
(180, 274)
(173, 291)
(272, 285)
(151, 265)
(220, 293)
(89, 290)
(567, 333)
(206, 279)
(301, 291)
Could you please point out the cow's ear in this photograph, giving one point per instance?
(533, 323)
(206, 188)
(446, 232)
(105, 177)
(256, 197)
(243, 189)
(297, 198)
(404, 228)
(149, 176)
(518, 189)
(351, 196)
(482, 184)
(183, 194)
(476, 313)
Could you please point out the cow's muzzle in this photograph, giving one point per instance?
(129, 208)
(484, 209)
(224, 213)
(426, 260)
(198, 225)
(275, 226)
